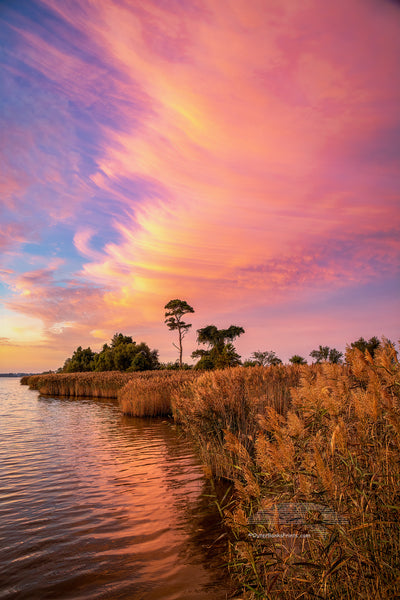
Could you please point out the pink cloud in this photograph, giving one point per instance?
(82, 243)
(239, 151)
(11, 235)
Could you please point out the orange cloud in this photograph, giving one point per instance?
(243, 154)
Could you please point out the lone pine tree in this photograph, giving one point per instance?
(175, 310)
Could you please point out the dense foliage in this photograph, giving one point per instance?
(221, 352)
(326, 354)
(371, 345)
(296, 359)
(263, 359)
(123, 354)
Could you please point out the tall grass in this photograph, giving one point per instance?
(320, 435)
(231, 402)
(336, 445)
(96, 385)
(140, 394)
(151, 396)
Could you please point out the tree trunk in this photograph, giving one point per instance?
(180, 348)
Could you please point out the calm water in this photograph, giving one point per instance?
(97, 505)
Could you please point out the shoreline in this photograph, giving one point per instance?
(320, 439)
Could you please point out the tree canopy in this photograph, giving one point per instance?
(296, 359)
(221, 352)
(263, 359)
(122, 355)
(371, 345)
(326, 354)
(81, 360)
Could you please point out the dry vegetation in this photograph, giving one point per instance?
(141, 394)
(96, 385)
(327, 435)
(231, 401)
(151, 396)
(336, 445)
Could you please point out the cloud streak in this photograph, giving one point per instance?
(239, 152)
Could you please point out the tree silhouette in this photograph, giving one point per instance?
(175, 310)
(324, 354)
(296, 359)
(263, 359)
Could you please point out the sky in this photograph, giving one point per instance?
(242, 155)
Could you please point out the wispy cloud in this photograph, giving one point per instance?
(241, 152)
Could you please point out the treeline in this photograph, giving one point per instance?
(123, 354)
(321, 354)
(14, 374)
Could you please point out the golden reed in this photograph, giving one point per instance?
(141, 394)
(96, 385)
(317, 435)
(337, 448)
(231, 400)
(152, 396)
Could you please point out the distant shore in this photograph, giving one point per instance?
(16, 374)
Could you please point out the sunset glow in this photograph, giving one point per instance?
(241, 155)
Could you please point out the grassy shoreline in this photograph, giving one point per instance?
(320, 436)
(95, 385)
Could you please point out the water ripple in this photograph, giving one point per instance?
(97, 505)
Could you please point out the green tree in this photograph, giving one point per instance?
(221, 352)
(122, 355)
(144, 359)
(174, 313)
(121, 339)
(371, 345)
(296, 359)
(266, 358)
(335, 356)
(81, 360)
(320, 355)
(207, 359)
(325, 354)
(104, 360)
(250, 363)
(127, 355)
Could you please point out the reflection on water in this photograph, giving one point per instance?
(97, 505)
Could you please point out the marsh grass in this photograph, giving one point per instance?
(322, 435)
(96, 385)
(228, 404)
(152, 396)
(338, 446)
(140, 394)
